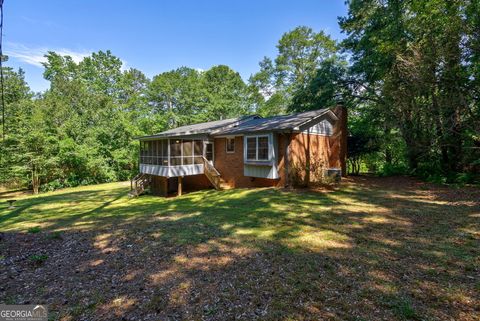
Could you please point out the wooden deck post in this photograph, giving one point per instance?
(180, 185)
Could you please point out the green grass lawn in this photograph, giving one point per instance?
(375, 248)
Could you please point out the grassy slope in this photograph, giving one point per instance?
(376, 249)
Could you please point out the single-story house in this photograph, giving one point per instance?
(249, 151)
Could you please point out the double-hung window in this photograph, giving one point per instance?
(257, 148)
(230, 145)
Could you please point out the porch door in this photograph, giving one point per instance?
(209, 151)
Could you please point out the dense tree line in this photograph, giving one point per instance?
(411, 83)
(82, 129)
(417, 63)
(408, 71)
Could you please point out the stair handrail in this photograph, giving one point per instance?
(211, 172)
(139, 182)
(210, 166)
(133, 181)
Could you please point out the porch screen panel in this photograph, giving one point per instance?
(198, 152)
(159, 152)
(175, 152)
(164, 152)
(187, 152)
(155, 152)
(144, 152)
(148, 150)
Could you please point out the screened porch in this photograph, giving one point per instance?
(175, 157)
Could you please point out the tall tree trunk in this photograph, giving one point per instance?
(35, 180)
(440, 132)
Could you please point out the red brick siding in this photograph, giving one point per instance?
(315, 151)
(327, 151)
(282, 140)
(230, 166)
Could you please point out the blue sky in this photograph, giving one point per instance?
(156, 36)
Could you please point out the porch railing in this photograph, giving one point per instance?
(138, 184)
(174, 160)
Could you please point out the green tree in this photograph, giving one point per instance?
(97, 110)
(185, 95)
(33, 147)
(301, 52)
(330, 85)
(415, 59)
(227, 95)
(176, 97)
(16, 94)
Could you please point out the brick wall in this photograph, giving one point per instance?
(230, 166)
(282, 140)
(315, 151)
(311, 151)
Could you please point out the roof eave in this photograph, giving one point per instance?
(211, 131)
(308, 123)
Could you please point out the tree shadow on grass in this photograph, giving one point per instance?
(59, 206)
(366, 251)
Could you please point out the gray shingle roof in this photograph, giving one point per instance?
(242, 125)
(275, 123)
(200, 128)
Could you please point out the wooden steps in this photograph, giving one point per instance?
(214, 176)
(138, 184)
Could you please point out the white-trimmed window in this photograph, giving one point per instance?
(257, 148)
(230, 144)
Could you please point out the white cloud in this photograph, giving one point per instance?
(36, 55)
